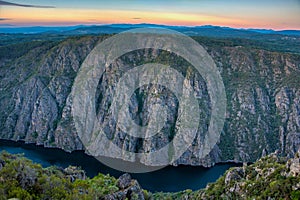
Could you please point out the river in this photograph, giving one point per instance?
(168, 179)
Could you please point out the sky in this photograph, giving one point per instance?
(266, 14)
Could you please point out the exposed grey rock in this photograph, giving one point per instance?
(129, 189)
(234, 175)
(74, 173)
(124, 181)
(263, 97)
(294, 165)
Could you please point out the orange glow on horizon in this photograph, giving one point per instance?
(57, 17)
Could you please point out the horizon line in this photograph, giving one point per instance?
(12, 26)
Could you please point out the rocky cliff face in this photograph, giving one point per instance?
(263, 97)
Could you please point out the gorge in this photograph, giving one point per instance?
(262, 87)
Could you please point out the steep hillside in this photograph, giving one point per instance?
(263, 97)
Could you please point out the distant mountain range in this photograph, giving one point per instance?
(207, 30)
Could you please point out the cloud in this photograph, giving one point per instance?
(2, 19)
(5, 3)
(136, 18)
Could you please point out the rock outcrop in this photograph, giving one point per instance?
(271, 177)
(129, 189)
(73, 173)
(294, 165)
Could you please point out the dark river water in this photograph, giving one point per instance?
(168, 179)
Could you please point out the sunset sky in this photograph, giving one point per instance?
(269, 14)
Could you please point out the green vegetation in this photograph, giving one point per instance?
(22, 179)
(270, 177)
(273, 43)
